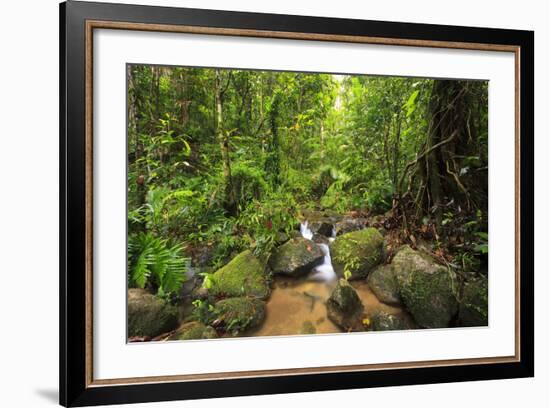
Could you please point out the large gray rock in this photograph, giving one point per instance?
(344, 307)
(148, 315)
(357, 252)
(427, 289)
(296, 257)
(473, 309)
(384, 285)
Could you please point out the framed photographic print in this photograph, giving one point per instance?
(255, 203)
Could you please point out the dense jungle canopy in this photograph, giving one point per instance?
(220, 161)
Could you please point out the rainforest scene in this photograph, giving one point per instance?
(266, 203)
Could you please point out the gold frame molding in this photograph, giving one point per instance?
(100, 24)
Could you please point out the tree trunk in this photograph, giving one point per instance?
(223, 140)
(134, 111)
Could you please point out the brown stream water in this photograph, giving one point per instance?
(298, 307)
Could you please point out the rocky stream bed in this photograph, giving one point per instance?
(329, 276)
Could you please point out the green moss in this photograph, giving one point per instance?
(474, 309)
(195, 331)
(357, 252)
(239, 314)
(244, 275)
(427, 289)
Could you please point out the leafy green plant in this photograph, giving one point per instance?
(248, 184)
(154, 263)
(483, 243)
(203, 311)
(264, 221)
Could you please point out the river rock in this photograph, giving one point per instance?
(149, 315)
(194, 331)
(320, 239)
(473, 309)
(358, 252)
(244, 275)
(349, 225)
(296, 257)
(427, 289)
(383, 283)
(383, 321)
(344, 307)
(324, 228)
(283, 237)
(236, 315)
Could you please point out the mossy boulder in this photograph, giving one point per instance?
(194, 331)
(344, 307)
(383, 321)
(427, 289)
(244, 275)
(383, 283)
(236, 315)
(296, 257)
(473, 309)
(149, 315)
(357, 252)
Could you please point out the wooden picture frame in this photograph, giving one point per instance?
(78, 20)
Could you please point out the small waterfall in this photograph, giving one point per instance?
(325, 271)
(305, 231)
(332, 235)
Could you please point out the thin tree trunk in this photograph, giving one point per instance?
(134, 109)
(223, 140)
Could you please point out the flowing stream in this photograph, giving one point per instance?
(297, 306)
(325, 271)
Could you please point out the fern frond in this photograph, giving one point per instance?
(153, 260)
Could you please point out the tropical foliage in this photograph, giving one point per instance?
(228, 159)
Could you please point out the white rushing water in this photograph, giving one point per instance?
(305, 231)
(325, 271)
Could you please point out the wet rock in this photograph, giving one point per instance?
(357, 252)
(149, 316)
(194, 331)
(349, 225)
(324, 228)
(244, 275)
(283, 237)
(236, 315)
(427, 289)
(296, 257)
(383, 283)
(473, 309)
(320, 239)
(344, 308)
(383, 321)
